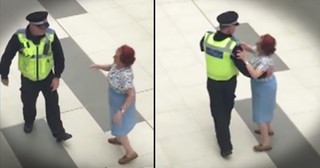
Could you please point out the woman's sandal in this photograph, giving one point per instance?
(126, 159)
(261, 148)
(114, 141)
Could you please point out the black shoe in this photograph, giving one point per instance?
(225, 154)
(27, 128)
(63, 137)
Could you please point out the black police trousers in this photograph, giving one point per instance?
(222, 95)
(29, 94)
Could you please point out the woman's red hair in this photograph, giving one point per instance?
(268, 44)
(127, 55)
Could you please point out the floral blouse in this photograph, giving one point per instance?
(120, 79)
(261, 62)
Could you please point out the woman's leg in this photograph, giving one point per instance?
(269, 127)
(265, 138)
(126, 145)
(130, 153)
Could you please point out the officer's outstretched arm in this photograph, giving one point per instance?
(254, 72)
(239, 63)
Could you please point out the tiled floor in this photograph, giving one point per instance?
(90, 31)
(184, 127)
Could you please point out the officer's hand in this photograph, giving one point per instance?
(54, 84)
(269, 71)
(241, 55)
(5, 82)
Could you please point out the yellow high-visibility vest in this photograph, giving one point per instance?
(35, 61)
(219, 64)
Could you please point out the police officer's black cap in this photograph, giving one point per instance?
(228, 18)
(38, 18)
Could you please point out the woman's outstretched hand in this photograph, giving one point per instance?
(95, 66)
(246, 47)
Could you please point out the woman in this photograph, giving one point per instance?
(263, 90)
(121, 99)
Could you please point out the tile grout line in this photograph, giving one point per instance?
(205, 16)
(73, 109)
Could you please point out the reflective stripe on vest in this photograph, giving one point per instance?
(35, 61)
(220, 66)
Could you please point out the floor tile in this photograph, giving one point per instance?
(60, 8)
(175, 123)
(145, 104)
(41, 137)
(97, 5)
(182, 148)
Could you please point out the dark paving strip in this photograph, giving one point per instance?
(90, 87)
(7, 157)
(246, 33)
(62, 8)
(38, 149)
(290, 147)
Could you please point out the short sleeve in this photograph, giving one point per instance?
(264, 65)
(127, 80)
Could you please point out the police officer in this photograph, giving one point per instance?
(220, 50)
(41, 63)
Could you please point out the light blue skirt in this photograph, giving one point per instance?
(128, 119)
(263, 99)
